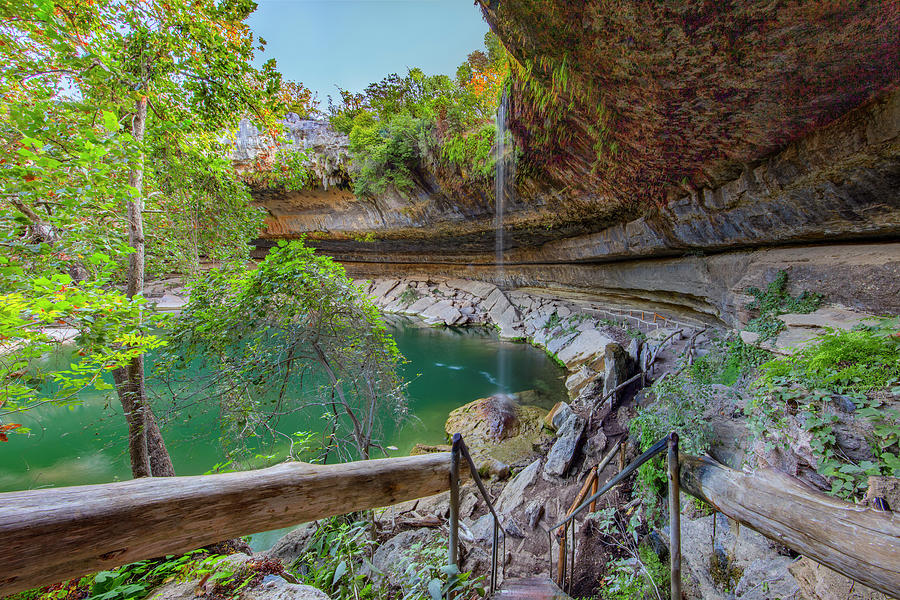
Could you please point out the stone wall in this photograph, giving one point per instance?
(864, 277)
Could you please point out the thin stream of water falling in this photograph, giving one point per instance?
(504, 188)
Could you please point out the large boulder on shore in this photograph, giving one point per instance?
(498, 428)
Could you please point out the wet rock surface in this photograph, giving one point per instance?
(498, 428)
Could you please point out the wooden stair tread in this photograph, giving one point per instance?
(529, 588)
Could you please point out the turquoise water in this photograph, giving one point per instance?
(447, 368)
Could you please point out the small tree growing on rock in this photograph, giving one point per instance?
(295, 321)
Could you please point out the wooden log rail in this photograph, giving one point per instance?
(858, 542)
(51, 535)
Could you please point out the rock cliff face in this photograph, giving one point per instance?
(740, 139)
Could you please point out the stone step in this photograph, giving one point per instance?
(529, 588)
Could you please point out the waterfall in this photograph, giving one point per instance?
(504, 192)
(505, 179)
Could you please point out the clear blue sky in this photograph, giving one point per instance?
(352, 43)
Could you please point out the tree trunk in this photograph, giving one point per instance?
(146, 447)
(59, 533)
(859, 542)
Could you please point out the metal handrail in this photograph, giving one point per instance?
(458, 449)
(669, 442)
(655, 449)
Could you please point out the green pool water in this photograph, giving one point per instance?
(446, 367)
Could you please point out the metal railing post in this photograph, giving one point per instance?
(495, 543)
(674, 518)
(453, 557)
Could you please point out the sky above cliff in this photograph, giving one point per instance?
(351, 43)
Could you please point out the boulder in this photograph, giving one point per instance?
(577, 380)
(533, 512)
(820, 582)
(508, 321)
(513, 494)
(615, 370)
(559, 415)
(480, 289)
(562, 454)
(420, 306)
(634, 350)
(498, 428)
(555, 343)
(483, 529)
(737, 558)
(750, 337)
(293, 544)
(170, 303)
(584, 347)
(444, 312)
(276, 588)
(594, 448)
(496, 469)
(827, 317)
(383, 287)
(391, 556)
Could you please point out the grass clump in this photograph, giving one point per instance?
(409, 295)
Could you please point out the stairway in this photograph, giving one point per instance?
(529, 588)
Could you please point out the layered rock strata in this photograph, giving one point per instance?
(587, 337)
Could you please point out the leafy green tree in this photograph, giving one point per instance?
(296, 320)
(402, 126)
(113, 110)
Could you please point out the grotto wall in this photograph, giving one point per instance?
(740, 139)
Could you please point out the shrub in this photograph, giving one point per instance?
(727, 362)
(774, 301)
(856, 366)
(679, 405)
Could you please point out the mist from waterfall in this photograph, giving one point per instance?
(504, 193)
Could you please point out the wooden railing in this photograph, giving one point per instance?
(856, 541)
(51, 535)
(859, 542)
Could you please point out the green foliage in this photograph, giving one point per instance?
(111, 330)
(296, 322)
(679, 405)
(401, 124)
(73, 77)
(409, 295)
(337, 559)
(774, 301)
(425, 573)
(133, 581)
(367, 238)
(727, 362)
(337, 562)
(864, 359)
(858, 366)
(638, 573)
